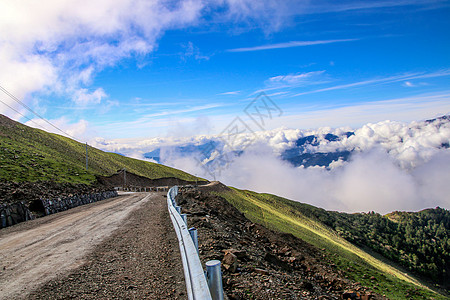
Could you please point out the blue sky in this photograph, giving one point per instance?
(131, 69)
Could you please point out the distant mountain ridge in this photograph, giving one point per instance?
(205, 149)
(299, 155)
(309, 150)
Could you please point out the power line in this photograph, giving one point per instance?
(21, 114)
(33, 112)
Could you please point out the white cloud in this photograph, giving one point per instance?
(326, 7)
(277, 94)
(67, 128)
(59, 45)
(289, 45)
(297, 79)
(395, 166)
(410, 144)
(363, 185)
(191, 51)
(371, 181)
(24, 74)
(83, 97)
(356, 115)
(180, 111)
(231, 93)
(433, 178)
(383, 80)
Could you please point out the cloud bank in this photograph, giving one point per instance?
(394, 166)
(370, 181)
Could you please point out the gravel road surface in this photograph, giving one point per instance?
(121, 248)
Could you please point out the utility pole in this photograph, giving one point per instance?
(86, 156)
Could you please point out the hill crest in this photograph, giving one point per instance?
(29, 155)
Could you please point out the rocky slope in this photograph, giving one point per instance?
(259, 263)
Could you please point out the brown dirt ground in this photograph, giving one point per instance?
(137, 258)
(268, 264)
(141, 260)
(11, 192)
(134, 180)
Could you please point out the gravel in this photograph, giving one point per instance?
(138, 260)
(259, 263)
(141, 259)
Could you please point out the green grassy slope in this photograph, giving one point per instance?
(28, 154)
(419, 241)
(284, 215)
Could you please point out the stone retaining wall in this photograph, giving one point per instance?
(54, 206)
(11, 214)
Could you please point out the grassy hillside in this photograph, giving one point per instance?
(371, 270)
(419, 241)
(28, 154)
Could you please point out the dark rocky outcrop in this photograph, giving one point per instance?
(133, 180)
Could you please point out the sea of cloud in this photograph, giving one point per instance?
(394, 165)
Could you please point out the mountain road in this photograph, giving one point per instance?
(108, 249)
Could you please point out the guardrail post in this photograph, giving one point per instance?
(214, 279)
(194, 236)
(184, 217)
(178, 208)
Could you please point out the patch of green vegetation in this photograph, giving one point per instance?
(419, 241)
(286, 216)
(28, 154)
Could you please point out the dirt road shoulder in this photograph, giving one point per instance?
(116, 249)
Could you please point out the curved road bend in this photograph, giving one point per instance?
(124, 247)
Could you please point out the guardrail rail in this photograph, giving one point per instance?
(196, 282)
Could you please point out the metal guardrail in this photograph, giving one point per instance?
(138, 189)
(196, 284)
